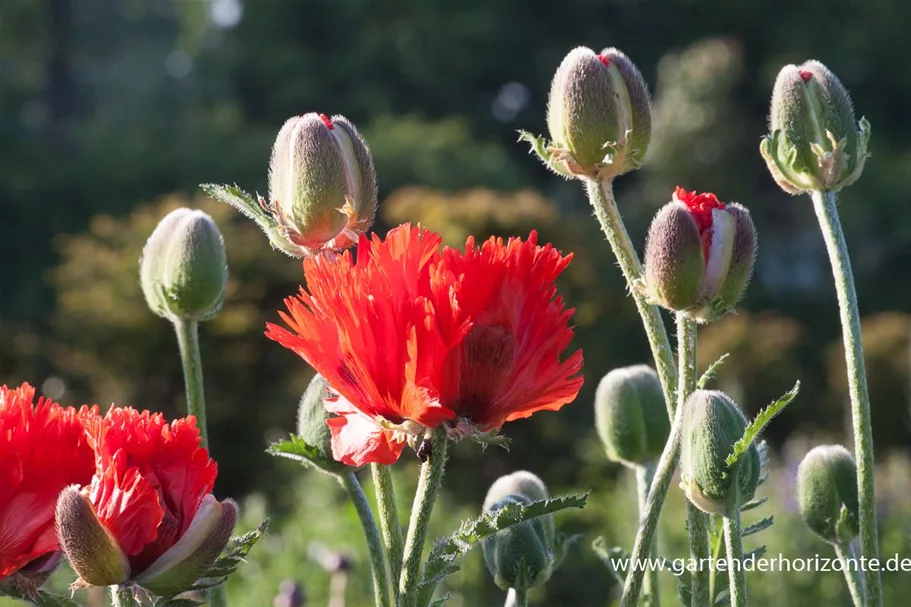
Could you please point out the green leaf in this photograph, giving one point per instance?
(297, 449)
(40, 599)
(244, 202)
(754, 503)
(440, 601)
(235, 554)
(757, 526)
(685, 588)
(761, 420)
(709, 374)
(608, 555)
(443, 556)
(539, 149)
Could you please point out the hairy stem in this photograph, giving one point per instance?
(650, 588)
(516, 598)
(601, 196)
(824, 204)
(389, 520)
(188, 341)
(846, 555)
(428, 483)
(374, 543)
(734, 543)
(697, 521)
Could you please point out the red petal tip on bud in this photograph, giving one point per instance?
(805, 75)
(327, 121)
(700, 206)
(604, 60)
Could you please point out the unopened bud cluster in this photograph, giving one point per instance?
(699, 255)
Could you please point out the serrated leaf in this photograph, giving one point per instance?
(723, 598)
(440, 601)
(754, 503)
(235, 554)
(756, 426)
(41, 598)
(243, 201)
(758, 526)
(758, 551)
(685, 588)
(297, 449)
(608, 555)
(441, 561)
(711, 371)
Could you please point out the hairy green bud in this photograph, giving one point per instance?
(712, 424)
(815, 143)
(599, 115)
(312, 428)
(523, 483)
(322, 184)
(631, 416)
(520, 556)
(827, 493)
(699, 255)
(184, 270)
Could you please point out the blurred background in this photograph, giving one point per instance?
(113, 111)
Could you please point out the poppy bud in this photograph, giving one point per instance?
(699, 255)
(815, 143)
(523, 483)
(712, 423)
(827, 493)
(631, 416)
(519, 556)
(312, 428)
(322, 184)
(183, 269)
(599, 114)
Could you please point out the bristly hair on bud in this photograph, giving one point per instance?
(520, 556)
(827, 493)
(699, 255)
(598, 115)
(814, 141)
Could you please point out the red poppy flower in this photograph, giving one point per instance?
(410, 338)
(149, 511)
(43, 448)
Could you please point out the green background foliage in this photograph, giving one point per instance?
(112, 111)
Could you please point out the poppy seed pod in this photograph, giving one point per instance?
(699, 255)
(312, 428)
(519, 556)
(827, 493)
(631, 416)
(815, 143)
(183, 270)
(522, 483)
(712, 423)
(598, 114)
(322, 183)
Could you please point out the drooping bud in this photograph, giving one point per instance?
(827, 493)
(523, 483)
(699, 255)
(712, 424)
(183, 270)
(599, 115)
(631, 416)
(92, 550)
(519, 556)
(815, 143)
(322, 184)
(312, 428)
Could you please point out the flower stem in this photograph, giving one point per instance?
(648, 519)
(188, 341)
(650, 589)
(846, 555)
(697, 521)
(824, 204)
(734, 545)
(389, 520)
(601, 196)
(428, 483)
(122, 596)
(516, 598)
(374, 543)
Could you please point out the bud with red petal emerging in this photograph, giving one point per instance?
(827, 493)
(322, 184)
(815, 143)
(712, 424)
(599, 116)
(148, 517)
(699, 255)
